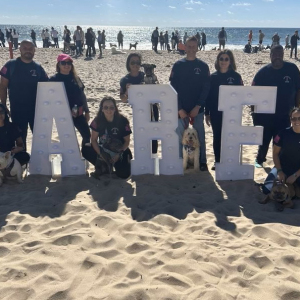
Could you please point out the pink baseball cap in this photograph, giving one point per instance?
(63, 57)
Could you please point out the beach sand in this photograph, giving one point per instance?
(150, 237)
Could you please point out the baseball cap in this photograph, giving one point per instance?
(63, 57)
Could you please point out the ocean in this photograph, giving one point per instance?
(236, 37)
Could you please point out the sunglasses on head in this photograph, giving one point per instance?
(64, 63)
(294, 119)
(108, 107)
(223, 59)
(135, 62)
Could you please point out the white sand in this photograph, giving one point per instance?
(149, 237)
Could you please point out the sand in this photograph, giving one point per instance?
(150, 237)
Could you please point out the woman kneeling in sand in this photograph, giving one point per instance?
(110, 139)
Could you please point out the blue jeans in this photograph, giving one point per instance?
(78, 47)
(199, 126)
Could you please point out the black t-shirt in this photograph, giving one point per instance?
(8, 136)
(294, 40)
(191, 80)
(287, 80)
(117, 129)
(216, 79)
(289, 156)
(23, 83)
(132, 80)
(74, 92)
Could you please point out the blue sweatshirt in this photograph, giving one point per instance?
(191, 80)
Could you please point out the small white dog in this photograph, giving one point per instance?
(114, 50)
(191, 148)
(9, 167)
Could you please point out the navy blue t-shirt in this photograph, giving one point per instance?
(23, 84)
(191, 80)
(289, 142)
(132, 80)
(73, 90)
(118, 129)
(287, 80)
(216, 79)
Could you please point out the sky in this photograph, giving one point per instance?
(161, 13)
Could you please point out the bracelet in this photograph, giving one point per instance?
(279, 170)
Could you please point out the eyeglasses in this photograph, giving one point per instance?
(294, 119)
(108, 107)
(135, 62)
(64, 63)
(223, 59)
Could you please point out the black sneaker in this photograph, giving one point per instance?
(203, 167)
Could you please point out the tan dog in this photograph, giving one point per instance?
(191, 148)
(281, 194)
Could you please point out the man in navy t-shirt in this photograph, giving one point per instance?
(286, 77)
(20, 78)
(190, 78)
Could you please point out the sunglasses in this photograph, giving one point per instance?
(64, 63)
(223, 59)
(108, 107)
(135, 62)
(294, 119)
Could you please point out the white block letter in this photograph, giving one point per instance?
(141, 96)
(52, 104)
(234, 135)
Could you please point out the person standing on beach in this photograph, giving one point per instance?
(185, 37)
(54, 36)
(47, 38)
(15, 38)
(93, 42)
(8, 35)
(199, 40)
(20, 77)
(261, 36)
(120, 39)
(250, 37)
(78, 40)
(154, 39)
(203, 41)
(103, 38)
(43, 38)
(99, 39)
(2, 39)
(275, 39)
(222, 36)
(166, 36)
(294, 39)
(190, 78)
(286, 77)
(33, 37)
(225, 75)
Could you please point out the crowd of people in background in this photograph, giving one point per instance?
(79, 40)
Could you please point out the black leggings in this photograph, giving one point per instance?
(122, 166)
(22, 157)
(216, 125)
(155, 115)
(82, 126)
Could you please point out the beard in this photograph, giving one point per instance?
(27, 55)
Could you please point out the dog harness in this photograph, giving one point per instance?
(189, 149)
(6, 171)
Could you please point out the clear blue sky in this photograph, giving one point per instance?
(163, 13)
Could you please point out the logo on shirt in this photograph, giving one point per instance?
(230, 80)
(287, 79)
(33, 72)
(3, 70)
(115, 130)
(197, 71)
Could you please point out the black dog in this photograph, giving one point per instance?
(133, 45)
(150, 77)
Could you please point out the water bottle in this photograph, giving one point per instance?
(75, 111)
